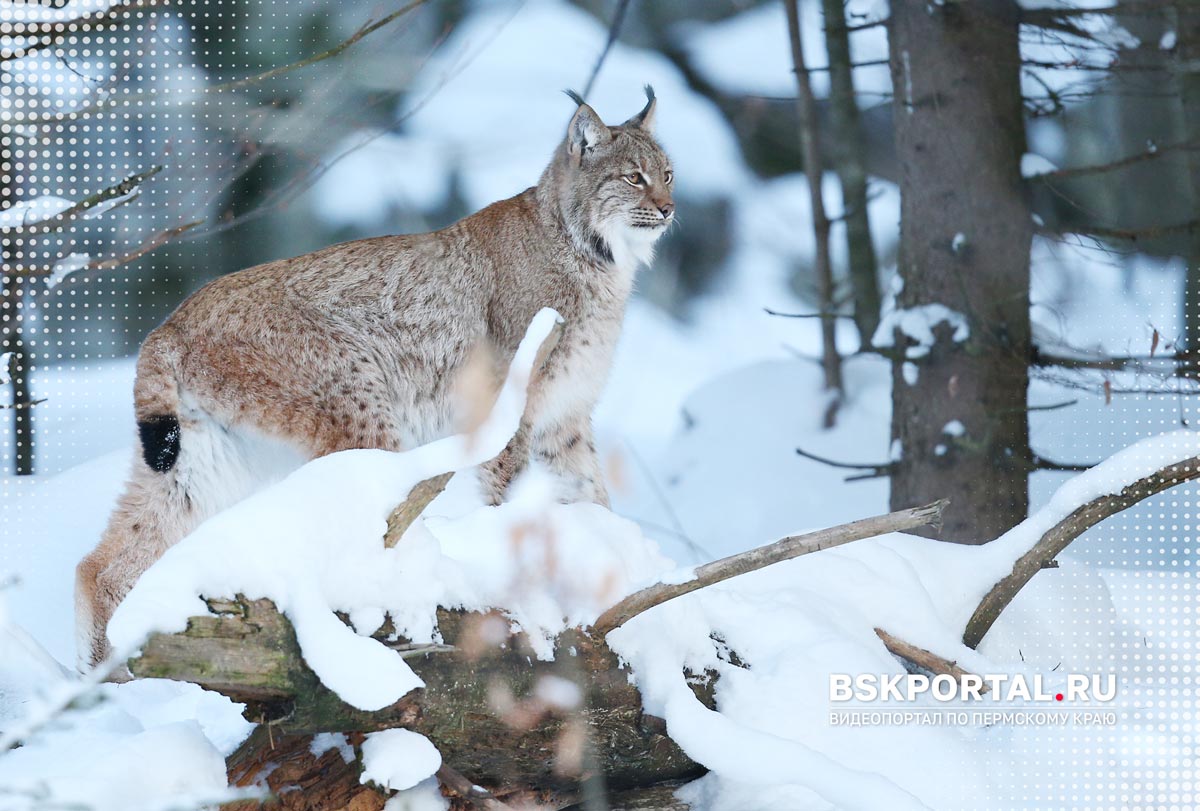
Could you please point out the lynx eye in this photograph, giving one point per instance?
(634, 179)
(668, 176)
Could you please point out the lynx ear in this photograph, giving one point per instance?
(586, 130)
(645, 119)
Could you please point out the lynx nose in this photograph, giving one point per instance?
(666, 209)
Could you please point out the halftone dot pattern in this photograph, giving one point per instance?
(88, 119)
(87, 106)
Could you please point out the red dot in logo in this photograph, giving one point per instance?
(1058, 697)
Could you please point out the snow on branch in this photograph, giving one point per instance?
(91, 206)
(1136, 473)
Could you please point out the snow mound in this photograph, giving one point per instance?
(398, 759)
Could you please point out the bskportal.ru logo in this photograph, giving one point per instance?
(885, 687)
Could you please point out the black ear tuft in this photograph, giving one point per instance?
(575, 97)
(645, 119)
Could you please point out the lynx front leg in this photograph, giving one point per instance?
(495, 476)
(569, 450)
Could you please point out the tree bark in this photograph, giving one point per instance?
(849, 152)
(1188, 60)
(479, 706)
(965, 235)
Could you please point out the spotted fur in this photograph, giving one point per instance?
(360, 345)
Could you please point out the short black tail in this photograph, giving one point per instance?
(160, 441)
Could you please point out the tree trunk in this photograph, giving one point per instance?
(19, 371)
(814, 168)
(849, 152)
(11, 254)
(1188, 59)
(965, 234)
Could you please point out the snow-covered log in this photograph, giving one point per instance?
(501, 716)
(495, 712)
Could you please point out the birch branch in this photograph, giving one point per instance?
(791, 547)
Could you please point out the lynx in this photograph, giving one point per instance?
(360, 345)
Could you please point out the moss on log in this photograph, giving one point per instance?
(494, 711)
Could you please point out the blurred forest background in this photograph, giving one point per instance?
(1032, 169)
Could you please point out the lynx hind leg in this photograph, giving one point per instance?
(150, 516)
(186, 472)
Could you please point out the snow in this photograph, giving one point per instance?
(324, 741)
(1033, 165)
(375, 173)
(917, 324)
(398, 759)
(65, 267)
(149, 744)
(26, 212)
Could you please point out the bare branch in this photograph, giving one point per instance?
(1130, 234)
(366, 29)
(235, 84)
(45, 33)
(64, 218)
(1056, 539)
(1167, 363)
(153, 243)
(1121, 163)
(926, 660)
(881, 469)
(785, 549)
(23, 404)
(614, 31)
(769, 311)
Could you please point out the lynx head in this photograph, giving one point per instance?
(613, 184)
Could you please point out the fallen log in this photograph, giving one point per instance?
(508, 725)
(494, 711)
